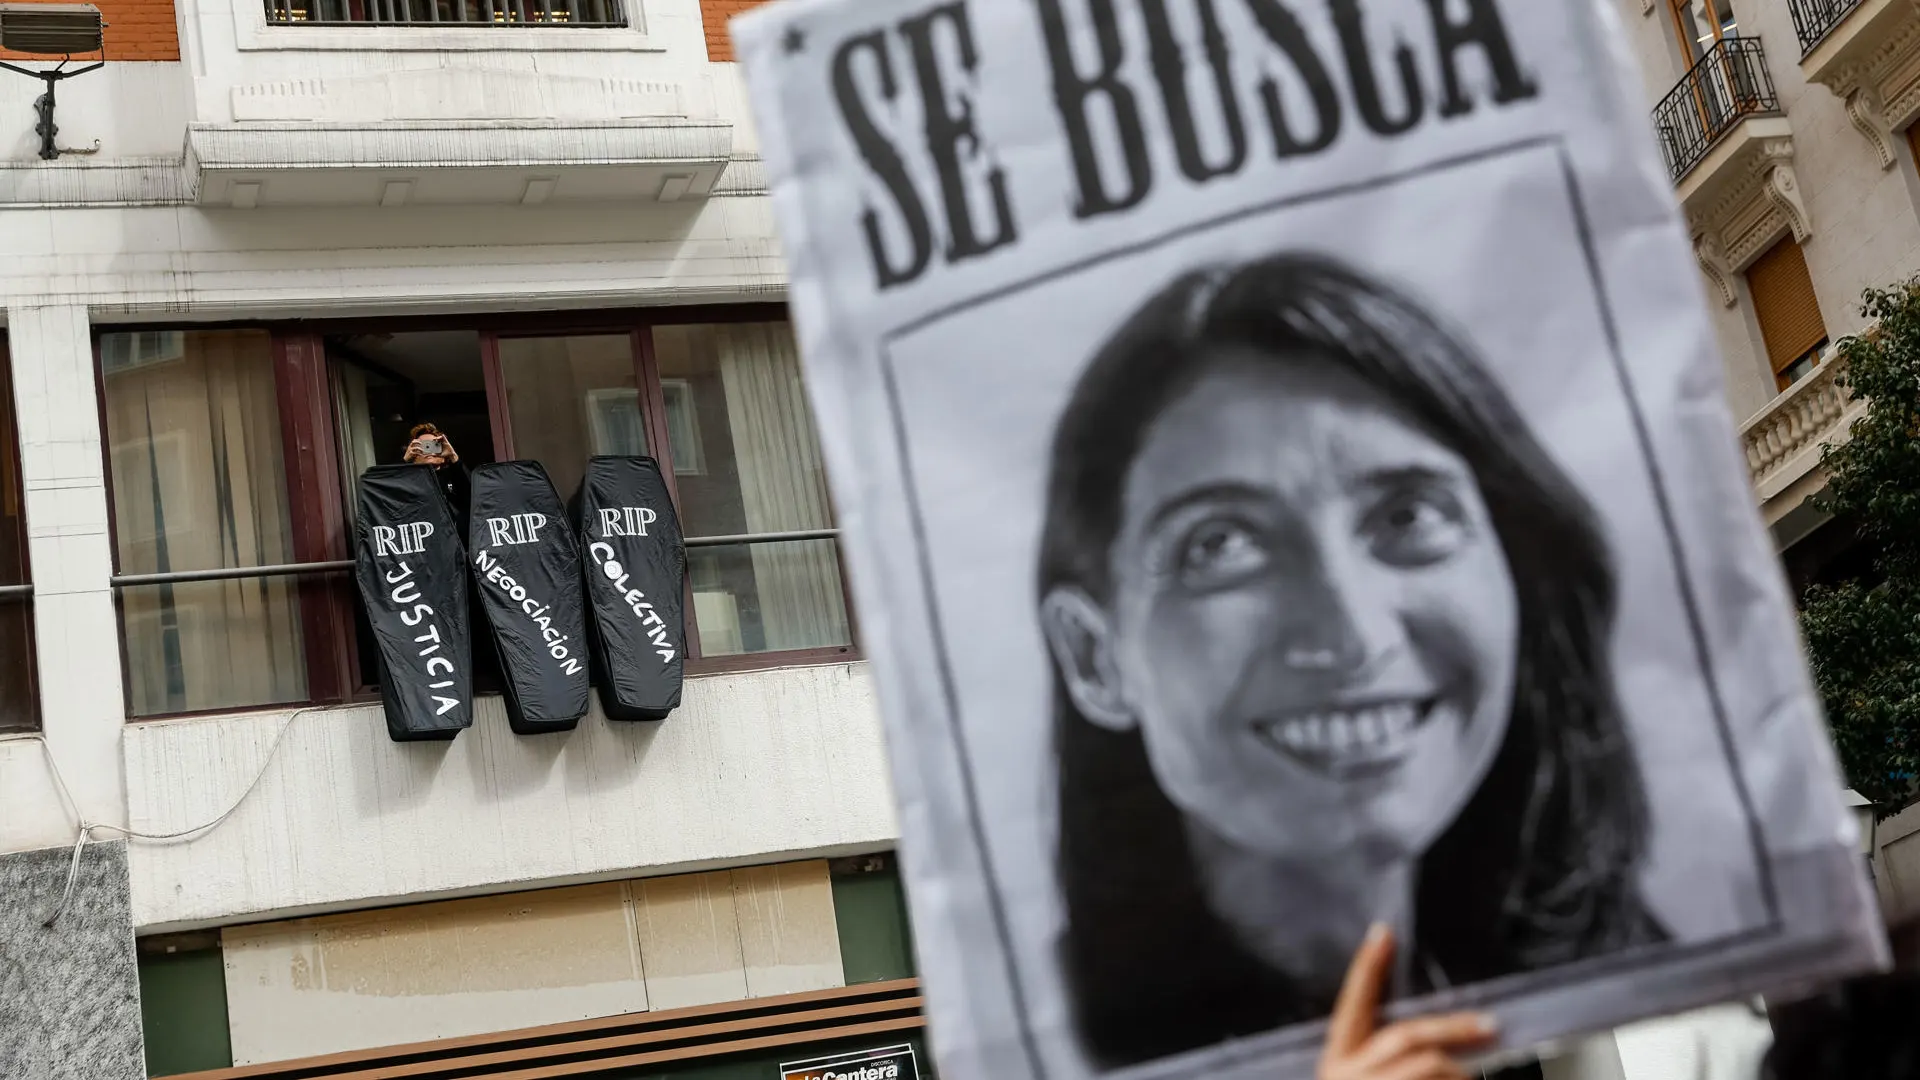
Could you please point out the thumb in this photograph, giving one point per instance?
(1355, 1010)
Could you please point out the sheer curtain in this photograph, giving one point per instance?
(783, 485)
(198, 484)
(353, 419)
(570, 398)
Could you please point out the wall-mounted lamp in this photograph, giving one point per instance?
(51, 30)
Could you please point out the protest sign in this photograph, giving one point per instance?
(1287, 484)
(636, 571)
(407, 560)
(527, 570)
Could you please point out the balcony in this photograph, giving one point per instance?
(1730, 154)
(1728, 85)
(1813, 20)
(1868, 53)
(1783, 440)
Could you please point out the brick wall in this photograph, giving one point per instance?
(713, 16)
(136, 30)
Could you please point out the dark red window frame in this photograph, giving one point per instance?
(316, 490)
(18, 592)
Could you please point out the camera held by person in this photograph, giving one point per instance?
(428, 445)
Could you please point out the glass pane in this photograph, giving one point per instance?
(193, 447)
(212, 644)
(569, 398)
(1802, 366)
(1703, 22)
(18, 700)
(750, 463)
(750, 598)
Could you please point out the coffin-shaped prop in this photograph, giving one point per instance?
(636, 574)
(527, 566)
(407, 563)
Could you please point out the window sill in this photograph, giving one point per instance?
(767, 661)
(696, 669)
(255, 35)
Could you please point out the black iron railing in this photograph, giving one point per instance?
(1813, 20)
(1729, 84)
(583, 13)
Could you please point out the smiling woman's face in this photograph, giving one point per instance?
(1312, 621)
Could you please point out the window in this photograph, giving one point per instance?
(1788, 312)
(232, 456)
(475, 13)
(758, 474)
(569, 398)
(199, 484)
(1701, 24)
(19, 699)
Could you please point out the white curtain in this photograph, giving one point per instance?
(354, 420)
(198, 484)
(783, 486)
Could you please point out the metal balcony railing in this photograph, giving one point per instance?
(1813, 20)
(502, 13)
(1729, 84)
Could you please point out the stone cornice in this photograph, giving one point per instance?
(1742, 199)
(1871, 61)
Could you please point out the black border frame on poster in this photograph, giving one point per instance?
(1293, 1037)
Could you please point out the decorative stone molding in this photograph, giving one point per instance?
(1783, 440)
(1742, 198)
(1870, 120)
(453, 162)
(1783, 190)
(1871, 61)
(456, 92)
(1713, 263)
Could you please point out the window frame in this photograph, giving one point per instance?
(21, 593)
(274, 10)
(316, 489)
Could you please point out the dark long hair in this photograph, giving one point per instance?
(1538, 869)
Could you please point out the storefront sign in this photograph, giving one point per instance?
(527, 567)
(407, 566)
(636, 576)
(886, 1063)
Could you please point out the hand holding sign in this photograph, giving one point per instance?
(1419, 1049)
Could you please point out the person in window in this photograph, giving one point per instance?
(1329, 632)
(428, 445)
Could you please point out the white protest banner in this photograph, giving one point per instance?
(1287, 485)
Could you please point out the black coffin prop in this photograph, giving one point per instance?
(527, 567)
(636, 574)
(407, 563)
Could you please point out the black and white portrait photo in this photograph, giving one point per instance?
(1331, 635)
(1291, 589)
(1289, 492)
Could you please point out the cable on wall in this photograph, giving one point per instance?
(86, 829)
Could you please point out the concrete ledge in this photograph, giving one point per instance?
(474, 162)
(756, 767)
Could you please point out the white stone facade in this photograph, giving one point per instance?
(303, 172)
(1862, 225)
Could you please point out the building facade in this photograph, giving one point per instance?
(1790, 130)
(275, 236)
(280, 232)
